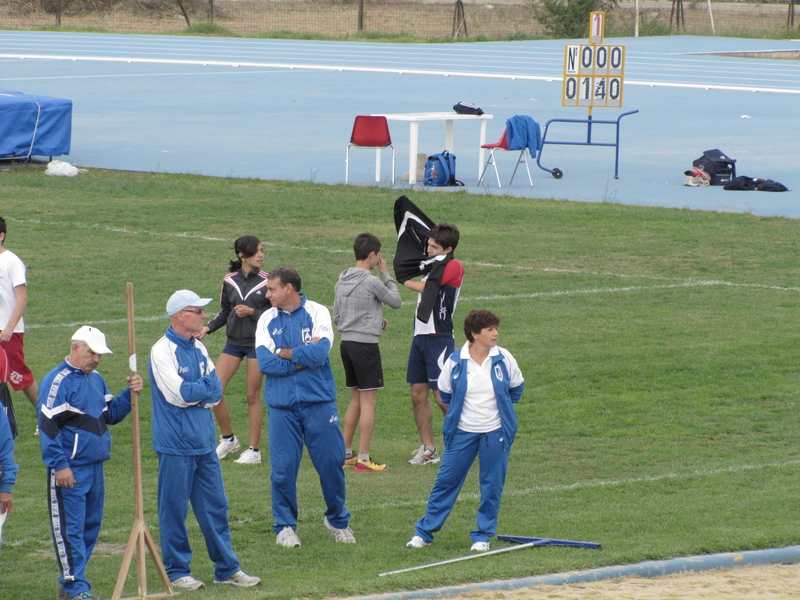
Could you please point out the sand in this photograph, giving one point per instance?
(772, 582)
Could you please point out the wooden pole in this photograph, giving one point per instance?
(140, 539)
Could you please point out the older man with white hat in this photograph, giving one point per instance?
(75, 408)
(185, 386)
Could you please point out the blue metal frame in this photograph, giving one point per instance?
(557, 173)
(536, 541)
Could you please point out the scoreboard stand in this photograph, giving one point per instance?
(594, 76)
(556, 172)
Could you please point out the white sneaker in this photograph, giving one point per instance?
(241, 579)
(249, 457)
(225, 447)
(417, 542)
(480, 547)
(344, 536)
(288, 538)
(424, 456)
(417, 454)
(188, 583)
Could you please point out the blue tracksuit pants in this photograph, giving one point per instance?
(195, 479)
(492, 453)
(76, 514)
(317, 426)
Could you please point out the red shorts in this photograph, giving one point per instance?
(13, 364)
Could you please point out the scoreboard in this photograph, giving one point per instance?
(594, 72)
(593, 75)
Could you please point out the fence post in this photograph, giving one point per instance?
(360, 15)
(677, 12)
(185, 14)
(459, 19)
(58, 14)
(711, 18)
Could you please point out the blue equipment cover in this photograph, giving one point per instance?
(34, 125)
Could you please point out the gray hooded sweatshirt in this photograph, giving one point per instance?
(357, 309)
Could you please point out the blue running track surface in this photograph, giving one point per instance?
(277, 109)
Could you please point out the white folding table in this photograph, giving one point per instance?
(448, 118)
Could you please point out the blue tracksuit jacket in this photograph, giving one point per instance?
(508, 387)
(184, 386)
(523, 132)
(74, 411)
(286, 386)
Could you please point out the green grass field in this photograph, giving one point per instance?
(659, 346)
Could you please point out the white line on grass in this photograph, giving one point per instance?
(180, 234)
(632, 288)
(185, 235)
(685, 284)
(578, 485)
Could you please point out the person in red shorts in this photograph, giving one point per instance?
(13, 301)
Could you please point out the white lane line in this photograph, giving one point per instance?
(397, 71)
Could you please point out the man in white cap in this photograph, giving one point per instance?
(185, 386)
(75, 408)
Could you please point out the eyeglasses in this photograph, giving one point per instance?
(199, 311)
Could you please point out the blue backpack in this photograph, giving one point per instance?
(441, 170)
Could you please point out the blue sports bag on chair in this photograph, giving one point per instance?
(441, 170)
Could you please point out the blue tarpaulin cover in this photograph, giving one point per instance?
(34, 125)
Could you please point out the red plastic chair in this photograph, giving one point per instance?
(503, 145)
(370, 132)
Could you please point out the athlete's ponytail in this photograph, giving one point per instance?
(247, 246)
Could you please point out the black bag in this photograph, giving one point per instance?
(7, 405)
(467, 108)
(720, 167)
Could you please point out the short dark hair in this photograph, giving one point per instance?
(286, 275)
(478, 320)
(2, 227)
(366, 244)
(247, 246)
(445, 234)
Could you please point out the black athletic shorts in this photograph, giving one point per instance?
(362, 365)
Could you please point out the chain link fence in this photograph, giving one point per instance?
(502, 19)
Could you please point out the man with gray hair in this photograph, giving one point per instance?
(75, 408)
(185, 386)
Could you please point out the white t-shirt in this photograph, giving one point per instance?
(12, 274)
(480, 413)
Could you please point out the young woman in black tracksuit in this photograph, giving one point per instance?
(243, 300)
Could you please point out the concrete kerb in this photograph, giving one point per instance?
(654, 568)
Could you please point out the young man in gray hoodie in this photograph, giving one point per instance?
(358, 313)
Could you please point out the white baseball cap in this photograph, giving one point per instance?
(94, 338)
(183, 299)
